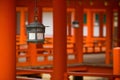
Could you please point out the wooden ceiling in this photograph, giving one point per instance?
(72, 3)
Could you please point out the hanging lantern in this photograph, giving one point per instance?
(75, 24)
(35, 31)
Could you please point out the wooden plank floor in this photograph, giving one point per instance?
(89, 60)
(93, 60)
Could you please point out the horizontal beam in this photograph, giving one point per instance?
(84, 68)
(32, 71)
(71, 3)
(26, 78)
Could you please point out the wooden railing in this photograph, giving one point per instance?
(115, 75)
(44, 56)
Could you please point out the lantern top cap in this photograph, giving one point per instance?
(36, 24)
(75, 22)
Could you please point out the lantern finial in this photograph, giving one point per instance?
(36, 11)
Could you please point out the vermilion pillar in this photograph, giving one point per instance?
(40, 20)
(59, 38)
(116, 62)
(22, 27)
(31, 46)
(32, 53)
(40, 14)
(79, 32)
(89, 25)
(109, 25)
(31, 12)
(101, 23)
(7, 40)
(118, 26)
(69, 23)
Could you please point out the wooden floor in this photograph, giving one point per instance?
(89, 60)
(94, 59)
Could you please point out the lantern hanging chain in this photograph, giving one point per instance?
(36, 11)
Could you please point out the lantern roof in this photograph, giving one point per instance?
(36, 24)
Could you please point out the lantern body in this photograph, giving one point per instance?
(75, 24)
(35, 32)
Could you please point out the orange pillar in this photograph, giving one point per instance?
(109, 24)
(31, 46)
(40, 14)
(118, 26)
(32, 52)
(101, 23)
(116, 62)
(7, 40)
(22, 27)
(60, 39)
(69, 24)
(79, 33)
(31, 12)
(39, 45)
(90, 26)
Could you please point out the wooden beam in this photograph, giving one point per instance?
(87, 4)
